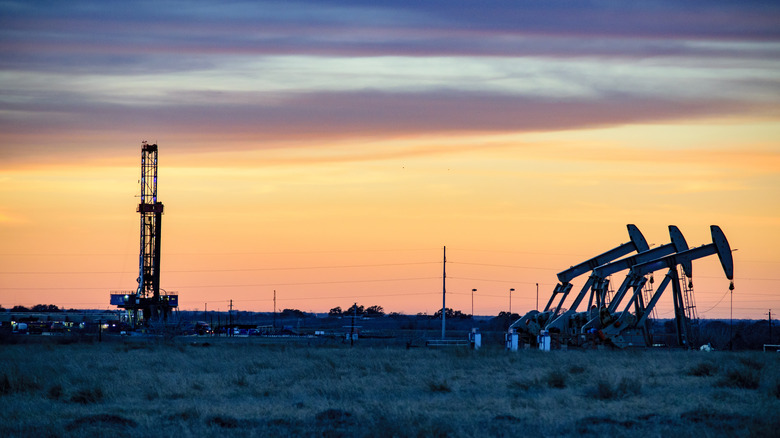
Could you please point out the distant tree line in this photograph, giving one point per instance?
(293, 313)
(356, 310)
(38, 308)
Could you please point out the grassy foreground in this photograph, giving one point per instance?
(246, 389)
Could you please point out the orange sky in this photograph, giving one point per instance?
(330, 155)
(326, 230)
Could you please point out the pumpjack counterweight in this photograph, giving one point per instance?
(149, 303)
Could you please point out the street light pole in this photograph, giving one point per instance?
(537, 297)
(731, 316)
(510, 300)
(472, 303)
(444, 295)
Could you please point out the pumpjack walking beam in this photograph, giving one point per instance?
(559, 322)
(677, 244)
(636, 244)
(719, 246)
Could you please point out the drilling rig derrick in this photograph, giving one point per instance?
(149, 303)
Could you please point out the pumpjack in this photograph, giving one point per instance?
(601, 322)
(149, 303)
(572, 323)
(534, 321)
(623, 328)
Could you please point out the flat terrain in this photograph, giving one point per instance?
(205, 387)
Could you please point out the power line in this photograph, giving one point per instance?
(716, 304)
(228, 270)
(211, 254)
(521, 252)
(494, 281)
(741, 278)
(234, 285)
(307, 283)
(503, 266)
(338, 297)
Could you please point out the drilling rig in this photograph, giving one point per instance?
(148, 303)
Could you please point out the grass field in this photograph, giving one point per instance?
(229, 388)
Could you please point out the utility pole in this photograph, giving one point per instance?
(230, 318)
(444, 295)
(274, 327)
(205, 312)
(352, 329)
(770, 326)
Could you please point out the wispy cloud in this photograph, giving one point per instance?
(271, 71)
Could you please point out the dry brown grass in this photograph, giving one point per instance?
(246, 389)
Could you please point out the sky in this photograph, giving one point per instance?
(328, 151)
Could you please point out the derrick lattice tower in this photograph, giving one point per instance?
(151, 211)
(148, 303)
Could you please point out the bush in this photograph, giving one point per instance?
(744, 378)
(241, 381)
(223, 422)
(100, 421)
(606, 390)
(442, 386)
(88, 396)
(774, 390)
(751, 363)
(703, 369)
(332, 417)
(5, 385)
(18, 383)
(556, 379)
(55, 392)
(523, 385)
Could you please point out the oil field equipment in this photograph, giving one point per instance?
(148, 303)
(534, 321)
(601, 322)
(621, 328)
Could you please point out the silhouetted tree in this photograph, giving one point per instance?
(293, 313)
(355, 310)
(504, 319)
(451, 314)
(375, 311)
(19, 309)
(45, 308)
(334, 312)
